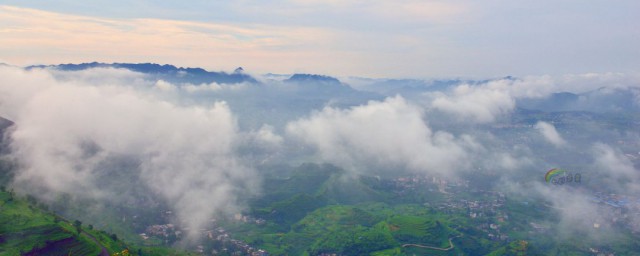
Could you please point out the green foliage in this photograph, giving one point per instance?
(351, 190)
(160, 251)
(28, 229)
(25, 229)
(419, 230)
(6, 173)
(355, 241)
(358, 230)
(105, 240)
(78, 225)
(293, 209)
(515, 248)
(388, 252)
(305, 179)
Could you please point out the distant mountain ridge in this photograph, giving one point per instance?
(167, 72)
(312, 78)
(601, 100)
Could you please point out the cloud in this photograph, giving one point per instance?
(66, 131)
(485, 102)
(266, 136)
(542, 86)
(480, 104)
(549, 132)
(188, 148)
(100, 76)
(607, 172)
(615, 170)
(378, 135)
(41, 36)
(395, 11)
(577, 214)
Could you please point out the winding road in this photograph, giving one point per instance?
(451, 246)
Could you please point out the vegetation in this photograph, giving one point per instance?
(27, 229)
(308, 212)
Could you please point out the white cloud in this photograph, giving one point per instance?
(164, 86)
(542, 86)
(615, 169)
(611, 171)
(481, 104)
(266, 136)
(549, 132)
(212, 87)
(387, 134)
(99, 76)
(66, 129)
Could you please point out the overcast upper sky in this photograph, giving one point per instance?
(375, 38)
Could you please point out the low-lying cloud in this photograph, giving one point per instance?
(65, 130)
(481, 104)
(550, 134)
(189, 148)
(390, 133)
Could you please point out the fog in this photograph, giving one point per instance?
(67, 128)
(200, 146)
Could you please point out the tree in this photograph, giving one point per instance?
(171, 238)
(78, 225)
(32, 200)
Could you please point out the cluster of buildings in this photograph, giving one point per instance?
(614, 200)
(224, 244)
(219, 241)
(167, 232)
(161, 230)
(410, 183)
(248, 219)
(617, 209)
(600, 252)
(489, 214)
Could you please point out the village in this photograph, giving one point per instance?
(485, 209)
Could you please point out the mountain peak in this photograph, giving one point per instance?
(312, 78)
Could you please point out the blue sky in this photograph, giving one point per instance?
(374, 38)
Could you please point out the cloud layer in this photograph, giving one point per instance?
(480, 104)
(188, 148)
(389, 134)
(66, 130)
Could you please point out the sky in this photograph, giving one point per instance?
(397, 39)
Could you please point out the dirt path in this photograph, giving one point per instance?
(451, 246)
(103, 251)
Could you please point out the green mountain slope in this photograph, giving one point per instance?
(27, 229)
